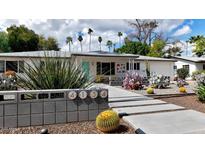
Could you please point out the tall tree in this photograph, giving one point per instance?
(90, 31)
(80, 39)
(48, 44)
(42, 43)
(69, 41)
(52, 44)
(100, 41)
(22, 39)
(194, 39)
(109, 45)
(199, 43)
(119, 35)
(132, 47)
(4, 42)
(144, 30)
(157, 48)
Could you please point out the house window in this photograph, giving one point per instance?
(98, 68)
(2, 66)
(186, 67)
(127, 66)
(203, 66)
(105, 68)
(130, 66)
(12, 66)
(138, 66)
(112, 68)
(21, 66)
(175, 67)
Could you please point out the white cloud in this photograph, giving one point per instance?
(106, 28)
(184, 30)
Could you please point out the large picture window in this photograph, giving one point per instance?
(105, 68)
(2, 66)
(12, 66)
(21, 66)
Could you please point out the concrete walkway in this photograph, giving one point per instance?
(154, 116)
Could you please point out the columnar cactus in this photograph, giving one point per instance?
(107, 121)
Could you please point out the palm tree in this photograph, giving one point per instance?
(114, 45)
(100, 41)
(119, 35)
(69, 40)
(109, 44)
(90, 31)
(80, 39)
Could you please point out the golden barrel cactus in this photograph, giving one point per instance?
(150, 90)
(182, 89)
(107, 121)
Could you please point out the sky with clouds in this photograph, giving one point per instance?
(178, 29)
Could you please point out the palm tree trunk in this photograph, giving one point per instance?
(119, 41)
(100, 46)
(90, 43)
(69, 47)
(81, 46)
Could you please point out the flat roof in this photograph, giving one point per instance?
(41, 54)
(191, 59)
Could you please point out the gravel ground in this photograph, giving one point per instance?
(87, 127)
(190, 102)
(171, 89)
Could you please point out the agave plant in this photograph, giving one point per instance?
(53, 73)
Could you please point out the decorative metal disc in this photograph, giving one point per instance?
(103, 94)
(83, 94)
(93, 94)
(72, 95)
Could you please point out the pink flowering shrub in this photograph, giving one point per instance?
(133, 81)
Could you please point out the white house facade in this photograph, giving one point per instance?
(191, 63)
(94, 63)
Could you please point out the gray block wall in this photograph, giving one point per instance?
(44, 107)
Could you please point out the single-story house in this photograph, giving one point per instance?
(94, 63)
(190, 63)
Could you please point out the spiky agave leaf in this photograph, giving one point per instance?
(56, 73)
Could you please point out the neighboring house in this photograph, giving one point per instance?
(94, 63)
(190, 63)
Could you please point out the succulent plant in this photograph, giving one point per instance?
(159, 81)
(150, 90)
(107, 121)
(133, 81)
(8, 81)
(182, 89)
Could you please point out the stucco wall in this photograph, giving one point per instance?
(159, 67)
(192, 66)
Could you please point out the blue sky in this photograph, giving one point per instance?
(178, 29)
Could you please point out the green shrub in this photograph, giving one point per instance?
(183, 73)
(195, 73)
(54, 73)
(201, 92)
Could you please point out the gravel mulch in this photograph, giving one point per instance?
(189, 102)
(87, 127)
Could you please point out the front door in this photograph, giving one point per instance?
(86, 67)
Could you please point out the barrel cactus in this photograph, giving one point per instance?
(107, 121)
(182, 89)
(150, 90)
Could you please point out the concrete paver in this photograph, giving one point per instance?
(176, 122)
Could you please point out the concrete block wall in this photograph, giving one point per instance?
(44, 107)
